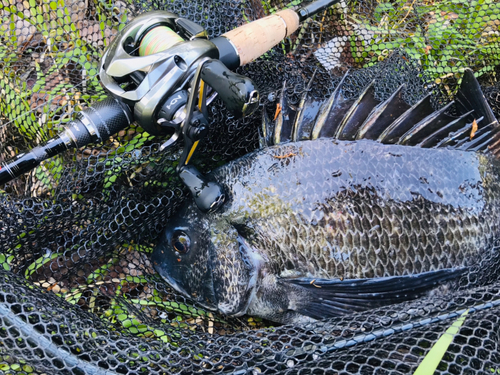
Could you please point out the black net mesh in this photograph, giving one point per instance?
(78, 293)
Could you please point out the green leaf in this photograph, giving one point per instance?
(431, 361)
(39, 263)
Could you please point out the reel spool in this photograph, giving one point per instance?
(158, 39)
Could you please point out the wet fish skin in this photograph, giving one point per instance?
(326, 211)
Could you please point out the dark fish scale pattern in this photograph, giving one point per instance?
(368, 222)
(362, 224)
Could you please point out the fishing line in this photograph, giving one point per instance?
(157, 40)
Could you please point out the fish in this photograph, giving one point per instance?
(366, 211)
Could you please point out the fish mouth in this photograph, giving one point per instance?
(175, 284)
(178, 277)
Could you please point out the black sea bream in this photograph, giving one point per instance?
(325, 227)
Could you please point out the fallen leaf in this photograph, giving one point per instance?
(278, 110)
(289, 155)
(474, 129)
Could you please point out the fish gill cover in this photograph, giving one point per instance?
(78, 292)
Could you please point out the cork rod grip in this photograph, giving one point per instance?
(256, 38)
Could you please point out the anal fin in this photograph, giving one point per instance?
(328, 298)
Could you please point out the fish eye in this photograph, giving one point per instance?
(180, 242)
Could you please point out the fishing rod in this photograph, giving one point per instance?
(157, 70)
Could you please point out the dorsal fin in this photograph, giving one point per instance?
(284, 119)
(407, 120)
(454, 138)
(471, 97)
(306, 114)
(422, 129)
(494, 147)
(391, 121)
(357, 114)
(332, 112)
(383, 115)
(480, 140)
(440, 134)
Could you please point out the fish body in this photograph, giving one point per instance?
(383, 203)
(306, 217)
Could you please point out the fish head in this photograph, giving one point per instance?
(203, 257)
(182, 257)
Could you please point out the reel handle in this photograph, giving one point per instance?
(236, 91)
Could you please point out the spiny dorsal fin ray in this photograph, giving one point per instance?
(383, 115)
(267, 130)
(357, 114)
(407, 120)
(302, 130)
(454, 138)
(478, 138)
(494, 147)
(488, 140)
(444, 132)
(284, 120)
(427, 126)
(331, 112)
(471, 97)
(306, 113)
(392, 121)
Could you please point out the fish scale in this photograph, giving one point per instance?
(325, 227)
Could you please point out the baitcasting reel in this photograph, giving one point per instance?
(162, 72)
(160, 65)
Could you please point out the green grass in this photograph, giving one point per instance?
(445, 37)
(39, 110)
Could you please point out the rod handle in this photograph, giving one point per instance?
(256, 38)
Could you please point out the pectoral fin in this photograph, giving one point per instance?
(329, 298)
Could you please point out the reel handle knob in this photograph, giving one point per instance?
(208, 195)
(236, 91)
